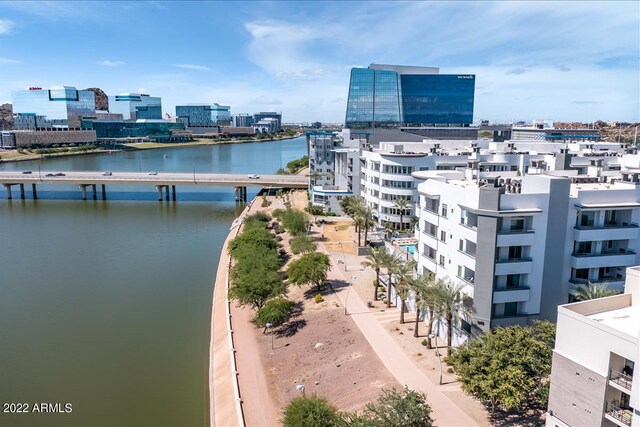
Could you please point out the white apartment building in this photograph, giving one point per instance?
(597, 348)
(521, 244)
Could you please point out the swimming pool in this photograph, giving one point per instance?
(408, 248)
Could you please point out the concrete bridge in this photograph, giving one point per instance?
(161, 180)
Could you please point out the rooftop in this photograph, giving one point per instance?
(625, 320)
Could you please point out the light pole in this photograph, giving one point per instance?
(344, 257)
(432, 336)
(346, 298)
(270, 327)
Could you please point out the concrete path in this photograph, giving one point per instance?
(445, 412)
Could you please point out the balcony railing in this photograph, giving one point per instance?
(623, 415)
(521, 259)
(605, 253)
(607, 225)
(468, 253)
(517, 231)
(620, 378)
(469, 280)
(514, 288)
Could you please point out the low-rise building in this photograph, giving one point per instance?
(135, 106)
(597, 348)
(202, 116)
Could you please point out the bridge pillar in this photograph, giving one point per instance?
(8, 188)
(95, 191)
(22, 191)
(104, 192)
(33, 190)
(159, 188)
(167, 188)
(173, 192)
(241, 194)
(83, 188)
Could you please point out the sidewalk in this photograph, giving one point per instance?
(445, 411)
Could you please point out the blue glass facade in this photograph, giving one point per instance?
(123, 129)
(58, 107)
(204, 115)
(388, 98)
(134, 106)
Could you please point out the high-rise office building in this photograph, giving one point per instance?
(134, 106)
(204, 115)
(242, 120)
(394, 96)
(59, 107)
(269, 115)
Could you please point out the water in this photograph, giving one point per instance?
(408, 248)
(106, 305)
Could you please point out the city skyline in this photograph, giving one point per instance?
(559, 61)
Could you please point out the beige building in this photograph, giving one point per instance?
(597, 348)
(28, 138)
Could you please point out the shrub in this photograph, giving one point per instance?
(424, 342)
(275, 311)
(295, 221)
(302, 244)
(318, 298)
(310, 411)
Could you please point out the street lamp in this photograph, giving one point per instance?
(432, 336)
(270, 327)
(346, 298)
(344, 257)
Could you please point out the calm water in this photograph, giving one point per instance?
(106, 305)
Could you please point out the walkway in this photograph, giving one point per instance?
(445, 411)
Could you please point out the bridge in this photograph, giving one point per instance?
(161, 180)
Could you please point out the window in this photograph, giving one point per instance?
(461, 245)
(583, 247)
(582, 273)
(517, 224)
(441, 262)
(443, 236)
(459, 271)
(444, 210)
(515, 252)
(586, 219)
(513, 280)
(510, 309)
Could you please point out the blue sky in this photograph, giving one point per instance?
(550, 60)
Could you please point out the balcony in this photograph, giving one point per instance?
(517, 294)
(620, 380)
(513, 266)
(613, 231)
(623, 257)
(617, 415)
(511, 238)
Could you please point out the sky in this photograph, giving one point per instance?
(562, 61)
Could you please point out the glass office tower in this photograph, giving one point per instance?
(60, 107)
(134, 106)
(200, 115)
(391, 96)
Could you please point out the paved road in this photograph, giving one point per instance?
(160, 178)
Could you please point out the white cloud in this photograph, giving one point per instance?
(6, 26)
(9, 61)
(110, 63)
(194, 67)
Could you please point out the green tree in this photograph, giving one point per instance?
(302, 244)
(377, 260)
(367, 221)
(423, 288)
(508, 368)
(593, 291)
(275, 311)
(406, 408)
(347, 203)
(450, 300)
(253, 284)
(310, 269)
(403, 272)
(391, 264)
(310, 411)
(402, 204)
(295, 221)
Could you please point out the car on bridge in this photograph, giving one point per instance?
(60, 174)
(49, 174)
(107, 174)
(26, 172)
(153, 173)
(253, 176)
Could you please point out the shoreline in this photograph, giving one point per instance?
(134, 148)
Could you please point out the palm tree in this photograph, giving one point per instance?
(451, 303)
(593, 291)
(401, 203)
(404, 272)
(314, 177)
(391, 262)
(422, 287)
(377, 260)
(358, 214)
(367, 221)
(433, 308)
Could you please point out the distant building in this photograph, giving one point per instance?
(257, 117)
(593, 372)
(119, 129)
(267, 125)
(59, 107)
(44, 138)
(393, 96)
(203, 115)
(541, 133)
(242, 120)
(134, 106)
